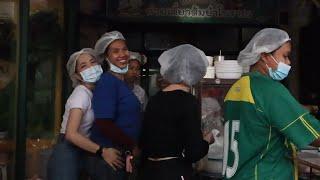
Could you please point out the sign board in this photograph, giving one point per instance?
(195, 11)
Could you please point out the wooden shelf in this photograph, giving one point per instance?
(217, 81)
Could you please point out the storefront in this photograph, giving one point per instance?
(37, 36)
(151, 27)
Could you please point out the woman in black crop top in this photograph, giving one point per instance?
(171, 138)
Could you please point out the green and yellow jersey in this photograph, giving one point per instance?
(263, 124)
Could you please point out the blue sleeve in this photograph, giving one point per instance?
(104, 100)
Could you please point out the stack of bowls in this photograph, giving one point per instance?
(210, 69)
(210, 73)
(228, 69)
(210, 60)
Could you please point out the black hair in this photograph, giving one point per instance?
(105, 65)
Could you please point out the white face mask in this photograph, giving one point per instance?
(92, 74)
(116, 69)
(281, 72)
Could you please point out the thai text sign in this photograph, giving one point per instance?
(250, 11)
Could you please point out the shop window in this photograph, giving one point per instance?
(8, 85)
(44, 83)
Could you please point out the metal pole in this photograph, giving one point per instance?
(20, 150)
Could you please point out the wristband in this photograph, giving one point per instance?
(99, 151)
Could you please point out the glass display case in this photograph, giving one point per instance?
(211, 93)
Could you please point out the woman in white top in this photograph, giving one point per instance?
(68, 155)
(136, 60)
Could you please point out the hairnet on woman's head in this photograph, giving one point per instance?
(105, 40)
(264, 41)
(137, 56)
(183, 64)
(72, 62)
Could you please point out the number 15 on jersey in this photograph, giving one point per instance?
(232, 143)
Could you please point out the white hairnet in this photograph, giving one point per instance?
(139, 57)
(105, 40)
(72, 62)
(184, 63)
(264, 41)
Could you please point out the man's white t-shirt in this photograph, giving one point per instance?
(81, 99)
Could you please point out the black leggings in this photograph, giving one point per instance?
(173, 169)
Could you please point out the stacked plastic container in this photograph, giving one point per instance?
(228, 69)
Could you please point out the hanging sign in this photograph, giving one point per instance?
(211, 11)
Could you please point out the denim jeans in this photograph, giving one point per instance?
(98, 169)
(65, 161)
